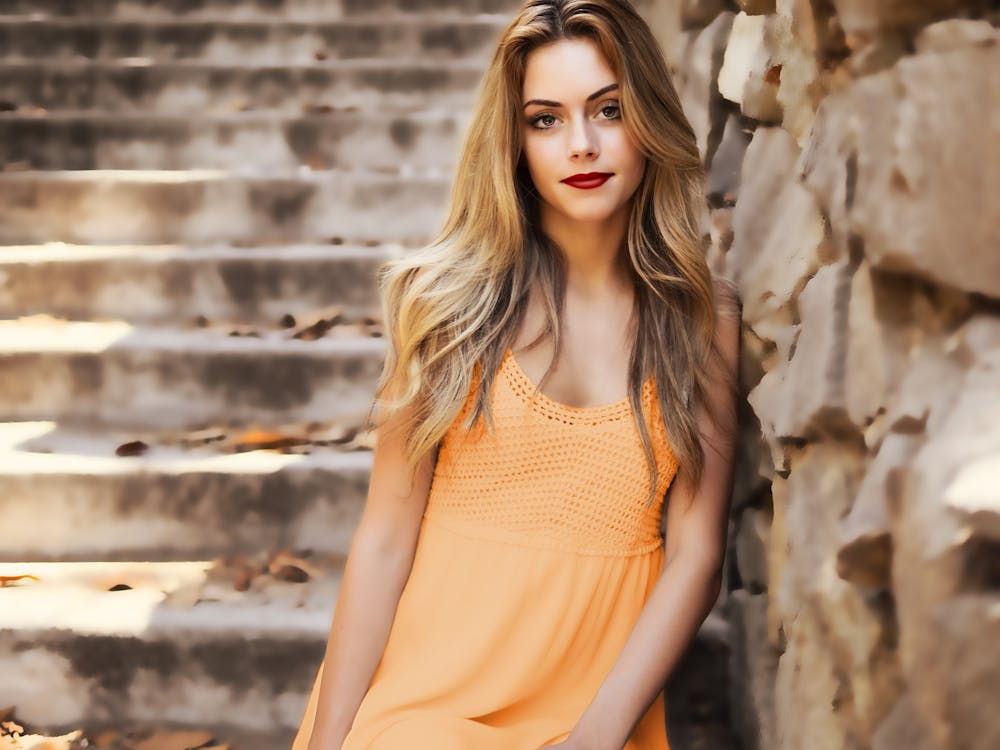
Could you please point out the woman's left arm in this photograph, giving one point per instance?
(689, 585)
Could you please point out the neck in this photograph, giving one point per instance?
(593, 252)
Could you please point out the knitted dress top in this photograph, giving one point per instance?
(535, 557)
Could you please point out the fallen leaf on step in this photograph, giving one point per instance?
(7, 580)
(262, 440)
(287, 567)
(133, 448)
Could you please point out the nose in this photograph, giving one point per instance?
(583, 140)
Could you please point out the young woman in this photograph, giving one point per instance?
(560, 357)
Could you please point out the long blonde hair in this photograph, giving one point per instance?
(456, 304)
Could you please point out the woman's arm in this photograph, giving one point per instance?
(377, 567)
(697, 521)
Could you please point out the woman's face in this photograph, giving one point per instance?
(573, 125)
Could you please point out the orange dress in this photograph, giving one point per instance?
(535, 556)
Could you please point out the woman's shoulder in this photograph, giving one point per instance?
(727, 297)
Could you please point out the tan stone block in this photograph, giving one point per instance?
(664, 18)
(821, 486)
(777, 230)
(754, 664)
(904, 726)
(942, 553)
(970, 645)
(879, 340)
(748, 76)
(925, 203)
(752, 542)
(864, 556)
(809, 693)
(696, 82)
(814, 403)
(954, 33)
(777, 560)
(902, 160)
(699, 13)
(871, 16)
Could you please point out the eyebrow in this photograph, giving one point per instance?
(550, 103)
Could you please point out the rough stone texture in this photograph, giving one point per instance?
(864, 241)
(749, 76)
(696, 85)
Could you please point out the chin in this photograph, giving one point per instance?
(590, 215)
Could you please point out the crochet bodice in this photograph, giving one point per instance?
(551, 475)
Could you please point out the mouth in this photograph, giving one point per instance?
(588, 180)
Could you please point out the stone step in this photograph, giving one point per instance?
(187, 497)
(174, 643)
(192, 87)
(117, 374)
(379, 139)
(209, 206)
(262, 40)
(244, 8)
(175, 285)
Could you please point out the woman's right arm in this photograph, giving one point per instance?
(378, 565)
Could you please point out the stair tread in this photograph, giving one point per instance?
(201, 175)
(332, 64)
(166, 598)
(37, 448)
(53, 335)
(67, 252)
(235, 117)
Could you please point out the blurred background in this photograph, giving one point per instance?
(194, 197)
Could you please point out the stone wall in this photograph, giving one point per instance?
(854, 152)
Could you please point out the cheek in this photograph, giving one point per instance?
(535, 156)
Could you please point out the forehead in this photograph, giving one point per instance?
(565, 70)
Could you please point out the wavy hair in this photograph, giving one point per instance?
(453, 307)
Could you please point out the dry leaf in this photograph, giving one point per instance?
(134, 448)
(287, 567)
(261, 440)
(6, 581)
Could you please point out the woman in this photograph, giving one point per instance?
(560, 357)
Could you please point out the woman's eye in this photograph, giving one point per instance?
(615, 111)
(536, 120)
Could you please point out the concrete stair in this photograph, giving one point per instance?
(252, 8)
(136, 85)
(386, 140)
(164, 642)
(211, 205)
(222, 39)
(173, 284)
(195, 196)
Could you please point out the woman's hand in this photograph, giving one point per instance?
(572, 743)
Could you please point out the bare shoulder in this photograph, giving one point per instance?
(727, 297)
(728, 321)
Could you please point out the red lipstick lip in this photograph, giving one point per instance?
(588, 179)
